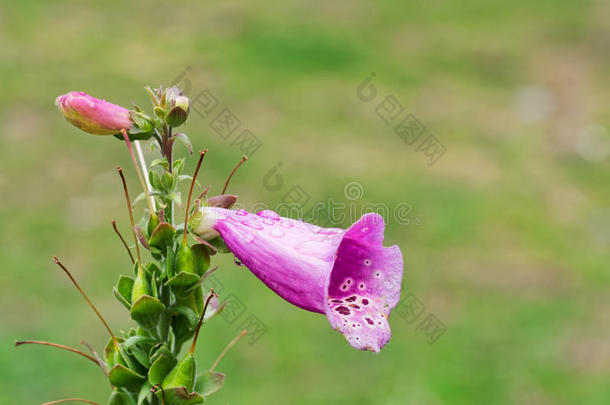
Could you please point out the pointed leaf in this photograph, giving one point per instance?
(146, 311)
(120, 398)
(179, 396)
(122, 377)
(124, 287)
(209, 382)
(162, 237)
(201, 254)
(121, 299)
(183, 279)
(160, 369)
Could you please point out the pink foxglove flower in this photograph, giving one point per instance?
(92, 115)
(348, 275)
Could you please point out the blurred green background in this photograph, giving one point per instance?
(509, 239)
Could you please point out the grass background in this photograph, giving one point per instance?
(509, 242)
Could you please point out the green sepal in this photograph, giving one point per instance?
(120, 398)
(161, 350)
(155, 182)
(122, 377)
(201, 256)
(152, 268)
(168, 181)
(185, 261)
(169, 263)
(183, 374)
(140, 287)
(111, 354)
(162, 238)
(153, 222)
(188, 313)
(121, 299)
(146, 311)
(178, 166)
(135, 346)
(179, 396)
(123, 290)
(219, 244)
(209, 382)
(160, 369)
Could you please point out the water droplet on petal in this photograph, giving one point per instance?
(250, 223)
(269, 214)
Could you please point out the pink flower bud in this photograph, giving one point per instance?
(93, 115)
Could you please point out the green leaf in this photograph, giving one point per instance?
(146, 311)
(188, 313)
(179, 396)
(161, 350)
(185, 261)
(183, 374)
(154, 179)
(209, 382)
(145, 395)
(122, 377)
(178, 166)
(121, 299)
(125, 286)
(159, 369)
(162, 237)
(201, 256)
(120, 398)
(183, 279)
(219, 244)
(111, 354)
(168, 181)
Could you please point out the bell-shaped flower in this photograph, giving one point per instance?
(92, 115)
(348, 275)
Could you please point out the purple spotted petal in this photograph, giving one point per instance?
(347, 275)
(364, 285)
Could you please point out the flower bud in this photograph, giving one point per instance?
(179, 108)
(93, 115)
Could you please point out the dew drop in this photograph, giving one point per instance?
(269, 215)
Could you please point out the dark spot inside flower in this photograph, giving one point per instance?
(365, 302)
(370, 321)
(348, 281)
(343, 310)
(354, 306)
(335, 301)
(361, 285)
(351, 299)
